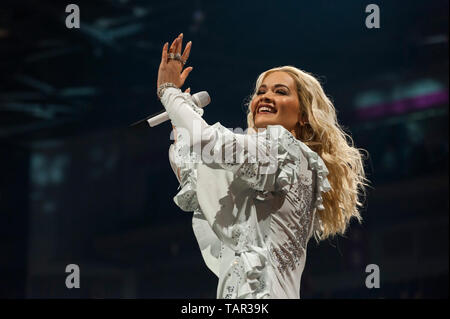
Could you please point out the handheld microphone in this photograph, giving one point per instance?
(201, 99)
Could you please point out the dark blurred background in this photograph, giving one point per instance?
(79, 186)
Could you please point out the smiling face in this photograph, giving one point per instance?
(276, 102)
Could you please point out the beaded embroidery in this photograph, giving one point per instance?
(289, 254)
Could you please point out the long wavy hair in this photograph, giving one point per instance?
(327, 138)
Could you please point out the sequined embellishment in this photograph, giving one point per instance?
(289, 254)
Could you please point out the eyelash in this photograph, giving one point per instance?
(278, 91)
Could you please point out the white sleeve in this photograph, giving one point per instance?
(181, 113)
(172, 161)
(252, 158)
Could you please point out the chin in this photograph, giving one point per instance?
(262, 123)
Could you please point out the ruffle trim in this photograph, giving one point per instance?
(186, 198)
(289, 156)
(316, 163)
(255, 270)
(289, 149)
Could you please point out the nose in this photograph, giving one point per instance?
(266, 97)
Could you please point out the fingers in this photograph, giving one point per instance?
(185, 74)
(176, 44)
(188, 90)
(164, 53)
(179, 43)
(176, 47)
(187, 51)
(173, 46)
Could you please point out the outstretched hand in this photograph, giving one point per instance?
(171, 70)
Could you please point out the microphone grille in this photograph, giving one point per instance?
(201, 99)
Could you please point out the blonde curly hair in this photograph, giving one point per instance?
(327, 138)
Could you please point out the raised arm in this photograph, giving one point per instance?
(247, 156)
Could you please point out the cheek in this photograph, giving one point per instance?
(253, 106)
(291, 108)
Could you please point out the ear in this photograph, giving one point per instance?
(300, 118)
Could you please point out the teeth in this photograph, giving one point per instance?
(266, 109)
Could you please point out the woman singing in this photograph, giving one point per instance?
(294, 175)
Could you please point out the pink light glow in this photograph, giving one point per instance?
(403, 106)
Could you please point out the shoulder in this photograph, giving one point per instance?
(295, 157)
(288, 146)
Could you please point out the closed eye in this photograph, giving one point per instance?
(278, 91)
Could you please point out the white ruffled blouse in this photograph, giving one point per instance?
(252, 228)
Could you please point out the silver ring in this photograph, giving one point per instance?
(176, 56)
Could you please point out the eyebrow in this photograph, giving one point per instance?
(276, 85)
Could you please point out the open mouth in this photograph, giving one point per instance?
(266, 109)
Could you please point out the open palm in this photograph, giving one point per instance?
(171, 70)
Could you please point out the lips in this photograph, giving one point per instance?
(264, 108)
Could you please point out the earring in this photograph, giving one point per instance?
(301, 129)
(311, 138)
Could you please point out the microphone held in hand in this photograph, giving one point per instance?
(201, 99)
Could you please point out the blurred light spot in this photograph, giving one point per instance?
(369, 98)
(38, 174)
(436, 39)
(415, 89)
(45, 171)
(139, 11)
(198, 16)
